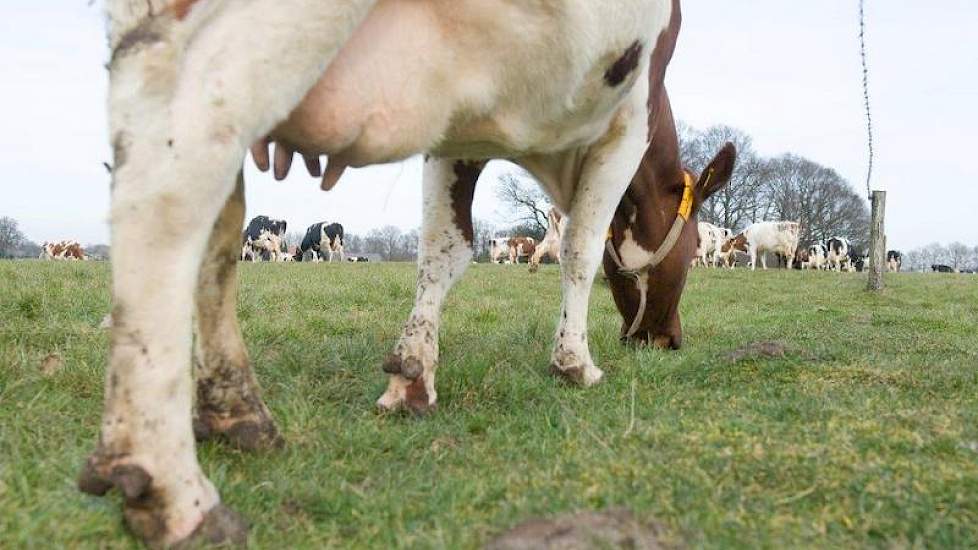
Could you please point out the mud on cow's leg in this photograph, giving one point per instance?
(179, 124)
(607, 171)
(229, 403)
(445, 251)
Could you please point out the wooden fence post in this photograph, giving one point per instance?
(877, 242)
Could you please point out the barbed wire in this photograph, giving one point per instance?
(869, 113)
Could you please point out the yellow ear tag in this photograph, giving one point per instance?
(686, 206)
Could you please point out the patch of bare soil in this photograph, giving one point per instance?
(51, 364)
(758, 350)
(615, 528)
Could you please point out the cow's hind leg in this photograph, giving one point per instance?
(444, 252)
(229, 403)
(188, 93)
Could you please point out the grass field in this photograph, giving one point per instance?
(864, 433)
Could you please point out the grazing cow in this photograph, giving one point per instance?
(550, 245)
(894, 260)
(729, 249)
(63, 250)
(941, 268)
(269, 245)
(322, 240)
(711, 239)
(498, 249)
(357, 259)
(758, 238)
(856, 262)
(816, 257)
(564, 88)
(258, 226)
(521, 247)
(837, 253)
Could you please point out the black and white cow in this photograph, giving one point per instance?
(856, 261)
(894, 260)
(322, 239)
(257, 227)
(837, 253)
(941, 268)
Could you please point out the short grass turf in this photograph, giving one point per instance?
(864, 433)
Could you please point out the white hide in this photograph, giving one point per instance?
(776, 237)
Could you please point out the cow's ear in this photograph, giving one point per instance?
(717, 173)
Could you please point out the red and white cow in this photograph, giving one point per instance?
(566, 88)
(711, 239)
(758, 238)
(550, 245)
(521, 247)
(63, 250)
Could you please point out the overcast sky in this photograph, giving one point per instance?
(786, 72)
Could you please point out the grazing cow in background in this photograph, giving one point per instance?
(856, 262)
(776, 237)
(498, 249)
(269, 245)
(357, 259)
(258, 226)
(521, 247)
(571, 90)
(730, 248)
(323, 240)
(894, 260)
(941, 268)
(711, 239)
(816, 257)
(550, 245)
(63, 250)
(836, 253)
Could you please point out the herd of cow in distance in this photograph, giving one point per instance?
(264, 240)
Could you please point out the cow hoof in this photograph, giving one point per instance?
(245, 434)
(409, 367)
(220, 526)
(144, 509)
(581, 375)
(410, 395)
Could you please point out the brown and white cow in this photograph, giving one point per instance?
(760, 237)
(550, 245)
(63, 250)
(521, 247)
(564, 88)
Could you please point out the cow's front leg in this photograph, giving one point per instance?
(229, 403)
(606, 173)
(444, 252)
(183, 106)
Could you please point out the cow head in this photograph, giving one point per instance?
(643, 220)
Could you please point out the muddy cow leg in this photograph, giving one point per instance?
(608, 168)
(229, 404)
(444, 252)
(188, 92)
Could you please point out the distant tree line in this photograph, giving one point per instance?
(787, 187)
(956, 255)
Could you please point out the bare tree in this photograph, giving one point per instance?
(383, 241)
(521, 193)
(11, 237)
(737, 204)
(957, 255)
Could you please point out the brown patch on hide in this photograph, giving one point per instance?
(757, 350)
(181, 8)
(463, 191)
(416, 397)
(737, 243)
(624, 65)
(615, 528)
